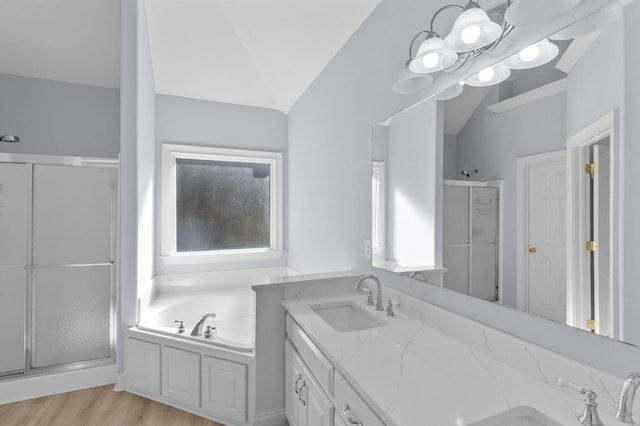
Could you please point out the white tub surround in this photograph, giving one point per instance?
(430, 364)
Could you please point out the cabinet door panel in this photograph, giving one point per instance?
(224, 388)
(181, 376)
(318, 410)
(142, 365)
(293, 378)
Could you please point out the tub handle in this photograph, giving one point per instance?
(210, 331)
(180, 327)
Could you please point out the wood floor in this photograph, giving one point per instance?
(99, 406)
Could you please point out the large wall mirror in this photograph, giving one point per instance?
(512, 192)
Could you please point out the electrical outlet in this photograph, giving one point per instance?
(367, 249)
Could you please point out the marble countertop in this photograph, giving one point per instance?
(412, 373)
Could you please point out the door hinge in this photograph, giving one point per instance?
(592, 246)
(590, 168)
(592, 325)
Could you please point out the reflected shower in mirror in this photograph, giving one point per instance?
(513, 195)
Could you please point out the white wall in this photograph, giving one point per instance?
(206, 123)
(491, 143)
(56, 118)
(330, 163)
(412, 181)
(136, 171)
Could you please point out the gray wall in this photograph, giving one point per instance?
(330, 162)
(491, 143)
(198, 122)
(56, 118)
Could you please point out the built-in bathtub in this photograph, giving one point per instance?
(234, 320)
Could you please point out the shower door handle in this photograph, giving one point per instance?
(532, 249)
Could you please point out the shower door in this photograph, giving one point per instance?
(13, 259)
(470, 239)
(57, 251)
(71, 271)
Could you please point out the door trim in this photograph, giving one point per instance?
(522, 219)
(607, 125)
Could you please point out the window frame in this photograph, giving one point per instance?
(172, 152)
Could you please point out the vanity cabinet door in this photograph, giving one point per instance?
(142, 366)
(350, 404)
(293, 381)
(181, 376)
(316, 408)
(224, 388)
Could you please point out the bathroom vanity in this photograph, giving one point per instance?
(349, 364)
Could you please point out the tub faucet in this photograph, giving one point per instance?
(198, 328)
(625, 405)
(379, 306)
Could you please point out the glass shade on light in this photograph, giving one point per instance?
(489, 76)
(432, 56)
(523, 13)
(590, 24)
(472, 30)
(532, 56)
(409, 82)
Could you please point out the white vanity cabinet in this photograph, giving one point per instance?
(315, 393)
(306, 401)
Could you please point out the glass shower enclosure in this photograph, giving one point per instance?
(471, 236)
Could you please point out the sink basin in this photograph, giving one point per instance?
(519, 416)
(346, 317)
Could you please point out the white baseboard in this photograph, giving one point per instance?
(21, 389)
(275, 418)
(120, 383)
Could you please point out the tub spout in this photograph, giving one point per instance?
(198, 327)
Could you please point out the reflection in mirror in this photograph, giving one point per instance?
(512, 196)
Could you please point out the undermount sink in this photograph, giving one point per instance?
(346, 317)
(519, 416)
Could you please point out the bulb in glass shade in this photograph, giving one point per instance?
(430, 60)
(530, 53)
(470, 35)
(486, 74)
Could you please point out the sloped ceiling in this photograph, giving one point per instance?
(249, 52)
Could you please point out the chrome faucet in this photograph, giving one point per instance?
(629, 388)
(379, 306)
(196, 330)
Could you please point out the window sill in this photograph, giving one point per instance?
(221, 257)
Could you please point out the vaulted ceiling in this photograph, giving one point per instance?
(250, 52)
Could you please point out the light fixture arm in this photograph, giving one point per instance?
(443, 8)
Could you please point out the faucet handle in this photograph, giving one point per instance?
(590, 415)
(180, 327)
(210, 331)
(369, 297)
(390, 304)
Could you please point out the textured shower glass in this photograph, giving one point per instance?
(222, 205)
(71, 315)
(71, 215)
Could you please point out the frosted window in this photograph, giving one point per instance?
(222, 205)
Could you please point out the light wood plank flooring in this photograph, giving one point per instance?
(99, 406)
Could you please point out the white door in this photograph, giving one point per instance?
(13, 259)
(546, 236)
(293, 381)
(224, 388)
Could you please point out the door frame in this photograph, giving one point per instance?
(578, 301)
(523, 165)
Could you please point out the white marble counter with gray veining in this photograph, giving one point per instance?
(427, 366)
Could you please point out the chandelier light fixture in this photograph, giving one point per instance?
(475, 32)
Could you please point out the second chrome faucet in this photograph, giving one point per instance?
(379, 306)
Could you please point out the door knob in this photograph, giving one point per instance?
(532, 250)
